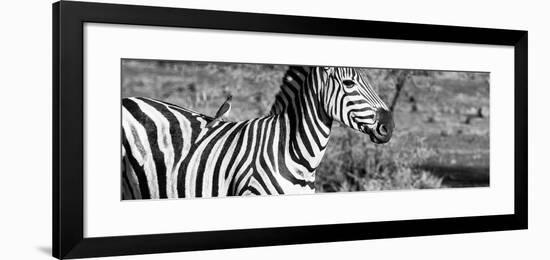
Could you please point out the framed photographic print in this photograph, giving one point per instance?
(178, 129)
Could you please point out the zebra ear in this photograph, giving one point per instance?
(328, 72)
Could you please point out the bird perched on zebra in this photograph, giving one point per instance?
(223, 111)
(167, 152)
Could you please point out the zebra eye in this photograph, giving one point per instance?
(348, 82)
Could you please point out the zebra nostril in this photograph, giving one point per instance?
(383, 130)
(385, 124)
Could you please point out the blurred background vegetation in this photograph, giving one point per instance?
(441, 139)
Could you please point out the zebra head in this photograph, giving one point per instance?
(349, 98)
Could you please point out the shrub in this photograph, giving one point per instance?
(373, 168)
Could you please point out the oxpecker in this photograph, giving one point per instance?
(223, 111)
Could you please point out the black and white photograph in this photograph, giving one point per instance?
(274, 130)
(195, 129)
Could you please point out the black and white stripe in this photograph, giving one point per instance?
(169, 153)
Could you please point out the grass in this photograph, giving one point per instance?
(442, 121)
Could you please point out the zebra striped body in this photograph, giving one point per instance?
(169, 153)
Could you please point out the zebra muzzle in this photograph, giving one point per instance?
(384, 127)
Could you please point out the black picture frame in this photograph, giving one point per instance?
(68, 157)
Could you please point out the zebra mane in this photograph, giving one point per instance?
(292, 82)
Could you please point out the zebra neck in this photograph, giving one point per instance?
(308, 132)
(304, 119)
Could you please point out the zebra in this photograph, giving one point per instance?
(167, 152)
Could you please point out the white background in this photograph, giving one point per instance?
(106, 215)
(25, 225)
